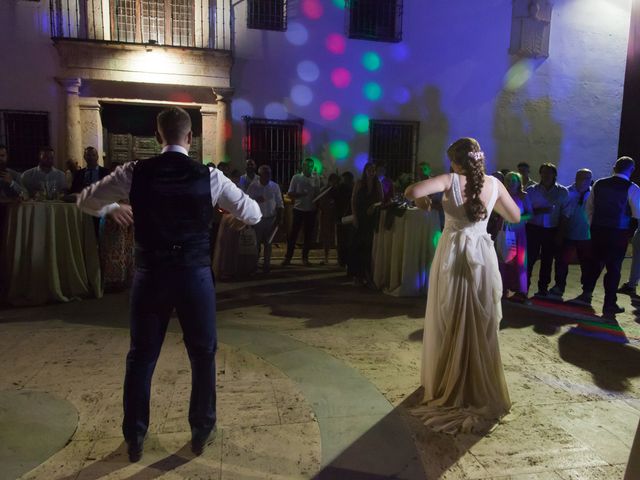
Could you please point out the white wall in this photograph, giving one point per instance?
(451, 72)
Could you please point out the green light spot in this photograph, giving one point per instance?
(372, 91)
(371, 61)
(339, 149)
(436, 238)
(360, 123)
(317, 165)
(339, 3)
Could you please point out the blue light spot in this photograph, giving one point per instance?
(401, 95)
(275, 111)
(308, 71)
(400, 52)
(240, 108)
(360, 161)
(301, 95)
(297, 34)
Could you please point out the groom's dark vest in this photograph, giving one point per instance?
(172, 211)
(611, 203)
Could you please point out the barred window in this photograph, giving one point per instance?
(395, 143)
(267, 14)
(276, 143)
(379, 20)
(23, 132)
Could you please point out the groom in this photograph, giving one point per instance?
(171, 204)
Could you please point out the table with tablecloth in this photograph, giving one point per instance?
(49, 253)
(403, 248)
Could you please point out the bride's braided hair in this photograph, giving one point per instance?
(466, 153)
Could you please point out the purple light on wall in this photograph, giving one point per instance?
(360, 161)
(336, 43)
(297, 34)
(308, 71)
(312, 9)
(329, 110)
(401, 95)
(275, 111)
(341, 77)
(241, 108)
(400, 52)
(301, 95)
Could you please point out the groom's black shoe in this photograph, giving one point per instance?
(134, 449)
(200, 438)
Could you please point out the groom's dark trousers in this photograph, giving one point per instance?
(154, 295)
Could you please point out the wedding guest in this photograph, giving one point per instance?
(91, 174)
(366, 194)
(269, 197)
(550, 203)
(613, 202)
(385, 182)
(234, 176)
(71, 169)
(249, 176)
(10, 184)
(344, 231)
(514, 269)
(44, 177)
(327, 210)
(523, 170)
(576, 234)
(225, 168)
(303, 189)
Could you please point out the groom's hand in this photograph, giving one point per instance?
(123, 215)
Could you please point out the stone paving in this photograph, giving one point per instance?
(314, 378)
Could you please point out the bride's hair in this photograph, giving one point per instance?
(466, 153)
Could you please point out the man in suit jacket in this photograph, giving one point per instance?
(171, 207)
(89, 175)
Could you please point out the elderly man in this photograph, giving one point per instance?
(10, 186)
(172, 200)
(249, 176)
(44, 177)
(613, 202)
(91, 174)
(268, 195)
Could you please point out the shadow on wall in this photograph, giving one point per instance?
(524, 130)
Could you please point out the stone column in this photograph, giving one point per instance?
(209, 114)
(73, 132)
(91, 127)
(223, 123)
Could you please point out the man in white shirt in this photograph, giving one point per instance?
(613, 202)
(171, 204)
(550, 203)
(304, 188)
(45, 177)
(268, 195)
(250, 175)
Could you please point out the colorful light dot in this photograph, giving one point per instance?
(301, 95)
(308, 71)
(275, 111)
(436, 238)
(317, 165)
(339, 3)
(371, 61)
(329, 110)
(341, 77)
(297, 34)
(518, 74)
(312, 9)
(401, 95)
(306, 136)
(400, 52)
(360, 161)
(336, 43)
(339, 149)
(372, 91)
(241, 108)
(360, 123)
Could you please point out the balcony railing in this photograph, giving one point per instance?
(177, 23)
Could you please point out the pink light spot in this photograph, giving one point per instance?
(336, 43)
(341, 77)
(329, 110)
(312, 9)
(306, 136)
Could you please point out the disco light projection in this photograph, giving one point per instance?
(301, 95)
(312, 9)
(400, 52)
(339, 149)
(306, 136)
(341, 77)
(360, 123)
(372, 91)
(436, 238)
(308, 71)
(276, 111)
(371, 61)
(339, 3)
(297, 34)
(241, 108)
(329, 110)
(360, 161)
(519, 74)
(317, 165)
(401, 95)
(610, 332)
(336, 43)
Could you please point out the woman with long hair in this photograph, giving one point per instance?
(462, 376)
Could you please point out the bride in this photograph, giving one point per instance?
(462, 376)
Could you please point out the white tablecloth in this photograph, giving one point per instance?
(48, 252)
(402, 255)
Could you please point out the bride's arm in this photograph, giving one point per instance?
(430, 186)
(505, 206)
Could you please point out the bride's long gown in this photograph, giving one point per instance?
(464, 384)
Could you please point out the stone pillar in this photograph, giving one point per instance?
(223, 123)
(73, 132)
(91, 127)
(209, 128)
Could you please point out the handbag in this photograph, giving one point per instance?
(506, 246)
